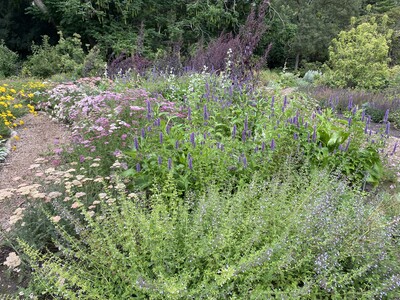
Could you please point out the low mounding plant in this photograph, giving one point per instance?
(293, 237)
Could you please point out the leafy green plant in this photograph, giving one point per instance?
(8, 61)
(359, 57)
(307, 237)
(65, 57)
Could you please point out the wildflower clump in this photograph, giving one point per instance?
(14, 103)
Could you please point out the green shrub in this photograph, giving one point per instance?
(94, 64)
(66, 57)
(8, 61)
(359, 58)
(301, 237)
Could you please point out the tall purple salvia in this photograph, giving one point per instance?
(138, 167)
(246, 124)
(168, 129)
(136, 143)
(148, 110)
(190, 162)
(295, 136)
(192, 139)
(189, 114)
(159, 160)
(314, 136)
(385, 119)
(350, 106)
(273, 144)
(234, 131)
(347, 145)
(161, 138)
(272, 101)
(363, 115)
(263, 146)
(349, 121)
(387, 128)
(243, 135)
(176, 144)
(205, 113)
(244, 161)
(143, 133)
(169, 163)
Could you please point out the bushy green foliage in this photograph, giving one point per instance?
(293, 237)
(66, 57)
(94, 64)
(359, 58)
(8, 61)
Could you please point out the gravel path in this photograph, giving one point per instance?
(39, 136)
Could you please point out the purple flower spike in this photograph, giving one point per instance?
(161, 138)
(314, 136)
(143, 133)
(246, 124)
(205, 113)
(190, 162)
(189, 114)
(159, 160)
(148, 110)
(385, 119)
(347, 145)
(272, 101)
(263, 146)
(349, 121)
(168, 129)
(363, 115)
(234, 131)
(136, 142)
(295, 136)
(177, 145)
(387, 128)
(138, 167)
(350, 106)
(394, 148)
(243, 136)
(273, 145)
(169, 163)
(192, 139)
(366, 129)
(245, 162)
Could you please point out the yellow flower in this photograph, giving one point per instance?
(13, 91)
(30, 95)
(14, 148)
(16, 137)
(21, 122)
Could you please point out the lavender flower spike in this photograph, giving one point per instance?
(161, 138)
(190, 162)
(385, 119)
(205, 113)
(138, 167)
(169, 163)
(387, 128)
(159, 160)
(234, 131)
(136, 142)
(192, 139)
(273, 145)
